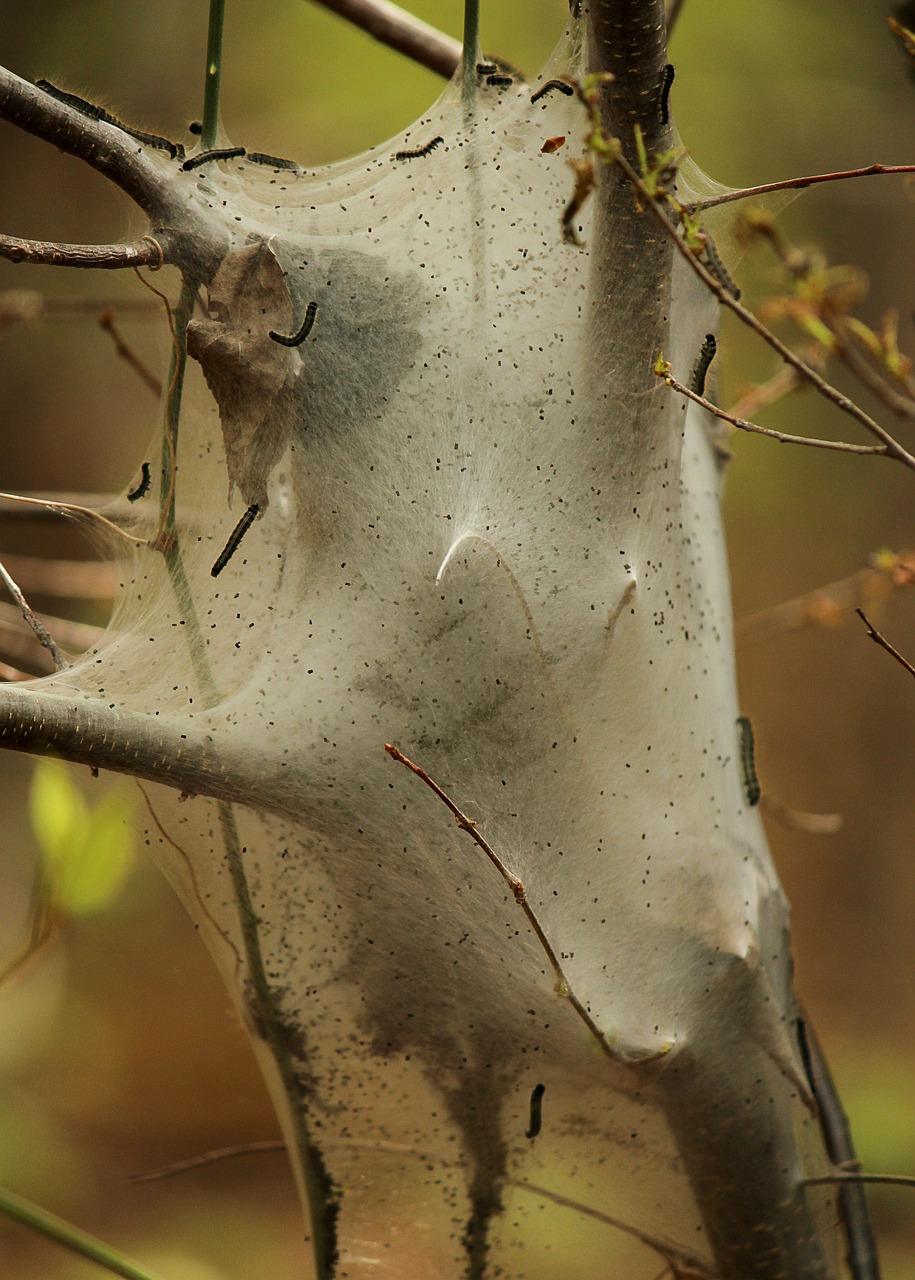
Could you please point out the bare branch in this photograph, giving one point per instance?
(399, 30)
(74, 511)
(838, 446)
(43, 635)
(827, 606)
(674, 9)
(793, 184)
(812, 824)
(126, 352)
(849, 1175)
(884, 643)
(147, 252)
(681, 1263)
(520, 896)
(826, 389)
(209, 1157)
(105, 146)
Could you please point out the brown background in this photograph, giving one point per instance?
(118, 1052)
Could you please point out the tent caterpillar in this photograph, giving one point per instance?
(419, 151)
(748, 763)
(486, 68)
(105, 117)
(667, 79)
(235, 538)
(143, 487)
(221, 153)
(298, 338)
(536, 1120)
(706, 356)
(718, 269)
(559, 86)
(259, 157)
(500, 81)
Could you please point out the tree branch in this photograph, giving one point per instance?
(825, 388)
(884, 643)
(147, 252)
(399, 30)
(838, 446)
(796, 184)
(110, 150)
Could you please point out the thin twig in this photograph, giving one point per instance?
(792, 184)
(890, 1179)
(147, 252)
(126, 352)
(73, 511)
(681, 1262)
(41, 632)
(827, 606)
(518, 892)
(826, 389)
(674, 9)
(884, 643)
(838, 446)
(400, 30)
(208, 1157)
(812, 824)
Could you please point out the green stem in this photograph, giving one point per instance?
(319, 1189)
(63, 1233)
(213, 75)
(471, 50)
(318, 1186)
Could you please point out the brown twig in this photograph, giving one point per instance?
(885, 644)
(765, 393)
(793, 184)
(892, 447)
(126, 352)
(77, 635)
(827, 606)
(400, 30)
(674, 9)
(813, 824)
(518, 892)
(844, 1175)
(147, 252)
(838, 446)
(208, 1157)
(70, 510)
(41, 632)
(680, 1261)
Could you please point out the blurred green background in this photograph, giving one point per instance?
(118, 1052)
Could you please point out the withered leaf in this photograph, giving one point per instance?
(248, 373)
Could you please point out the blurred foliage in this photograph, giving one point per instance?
(119, 1051)
(86, 852)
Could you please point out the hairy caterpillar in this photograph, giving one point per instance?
(667, 80)
(748, 764)
(559, 86)
(94, 112)
(536, 1120)
(706, 356)
(298, 338)
(143, 487)
(259, 157)
(419, 151)
(221, 153)
(235, 538)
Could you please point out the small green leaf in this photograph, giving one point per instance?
(86, 852)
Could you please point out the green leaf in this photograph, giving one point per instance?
(87, 853)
